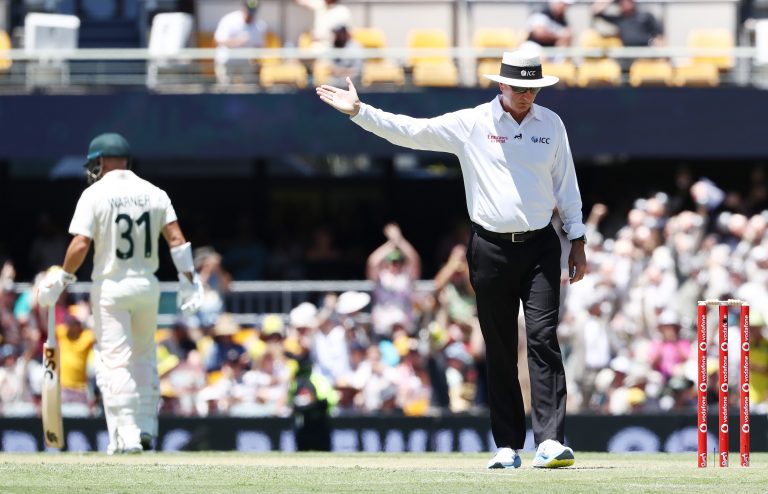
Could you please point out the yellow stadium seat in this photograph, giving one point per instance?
(305, 40)
(369, 37)
(276, 71)
(720, 39)
(696, 74)
(5, 45)
(377, 70)
(271, 40)
(612, 42)
(495, 38)
(591, 39)
(428, 38)
(204, 39)
(599, 73)
(565, 70)
(321, 72)
(487, 67)
(382, 72)
(650, 72)
(290, 73)
(444, 74)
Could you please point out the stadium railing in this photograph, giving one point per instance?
(249, 301)
(87, 68)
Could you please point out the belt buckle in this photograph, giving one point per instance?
(513, 238)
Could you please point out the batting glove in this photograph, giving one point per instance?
(190, 296)
(54, 282)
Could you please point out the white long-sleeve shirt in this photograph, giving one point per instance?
(514, 174)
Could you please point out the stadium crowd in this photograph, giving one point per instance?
(627, 331)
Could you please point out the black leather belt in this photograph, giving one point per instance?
(514, 237)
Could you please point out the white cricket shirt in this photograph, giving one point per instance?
(233, 26)
(123, 215)
(328, 18)
(514, 174)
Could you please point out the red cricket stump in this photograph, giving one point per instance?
(744, 388)
(723, 393)
(702, 384)
(702, 406)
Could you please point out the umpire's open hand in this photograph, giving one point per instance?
(346, 101)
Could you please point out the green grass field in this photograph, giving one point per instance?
(375, 473)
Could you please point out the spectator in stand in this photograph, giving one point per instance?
(185, 380)
(224, 349)
(412, 381)
(381, 384)
(9, 325)
(458, 312)
(758, 362)
(329, 15)
(549, 26)
(393, 267)
(263, 389)
(12, 382)
(330, 348)
(635, 28)
(75, 343)
(454, 289)
(459, 362)
(586, 336)
(181, 342)
(238, 29)
(303, 321)
(351, 64)
(215, 280)
(352, 383)
(668, 354)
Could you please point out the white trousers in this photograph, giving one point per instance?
(125, 316)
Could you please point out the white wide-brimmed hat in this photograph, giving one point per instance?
(304, 315)
(522, 68)
(350, 302)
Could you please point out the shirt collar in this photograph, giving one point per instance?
(498, 111)
(113, 175)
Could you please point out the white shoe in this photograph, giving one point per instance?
(552, 454)
(505, 458)
(122, 448)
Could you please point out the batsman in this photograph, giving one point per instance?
(123, 216)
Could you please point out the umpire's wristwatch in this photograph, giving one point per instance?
(583, 238)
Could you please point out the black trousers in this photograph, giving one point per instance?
(503, 274)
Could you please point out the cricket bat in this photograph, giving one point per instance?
(53, 426)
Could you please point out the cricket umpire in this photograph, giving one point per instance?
(517, 168)
(123, 216)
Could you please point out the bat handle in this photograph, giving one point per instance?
(52, 327)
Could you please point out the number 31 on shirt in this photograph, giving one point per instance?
(125, 225)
